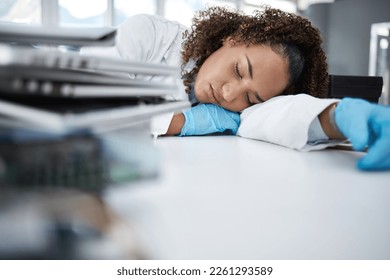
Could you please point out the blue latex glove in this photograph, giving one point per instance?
(209, 118)
(366, 125)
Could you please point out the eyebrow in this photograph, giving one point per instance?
(250, 70)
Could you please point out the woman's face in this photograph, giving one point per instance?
(238, 76)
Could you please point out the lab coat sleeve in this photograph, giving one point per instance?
(286, 121)
(153, 39)
(150, 38)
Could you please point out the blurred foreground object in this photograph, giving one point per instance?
(64, 224)
(37, 160)
(70, 126)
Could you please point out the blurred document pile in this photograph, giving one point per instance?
(71, 126)
(71, 120)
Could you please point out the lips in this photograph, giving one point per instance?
(213, 95)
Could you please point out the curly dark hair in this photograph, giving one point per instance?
(288, 34)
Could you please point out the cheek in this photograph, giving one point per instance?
(199, 92)
(216, 66)
(204, 75)
(200, 83)
(210, 71)
(208, 74)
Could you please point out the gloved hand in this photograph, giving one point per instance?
(366, 125)
(209, 118)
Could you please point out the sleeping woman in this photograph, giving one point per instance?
(262, 76)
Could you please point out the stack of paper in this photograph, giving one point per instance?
(60, 103)
(60, 90)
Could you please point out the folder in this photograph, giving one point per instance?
(70, 36)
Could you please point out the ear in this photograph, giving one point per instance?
(229, 41)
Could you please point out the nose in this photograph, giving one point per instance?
(230, 91)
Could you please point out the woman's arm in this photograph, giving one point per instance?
(176, 124)
(204, 119)
(286, 120)
(326, 118)
(330, 130)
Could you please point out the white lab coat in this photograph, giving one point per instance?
(289, 121)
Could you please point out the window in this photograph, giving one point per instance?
(183, 10)
(126, 8)
(21, 11)
(82, 13)
(288, 6)
(113, 12)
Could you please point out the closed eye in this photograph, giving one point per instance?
(237, 71)
(248, 99)
(257, 97)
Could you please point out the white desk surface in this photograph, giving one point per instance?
(226, 197)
